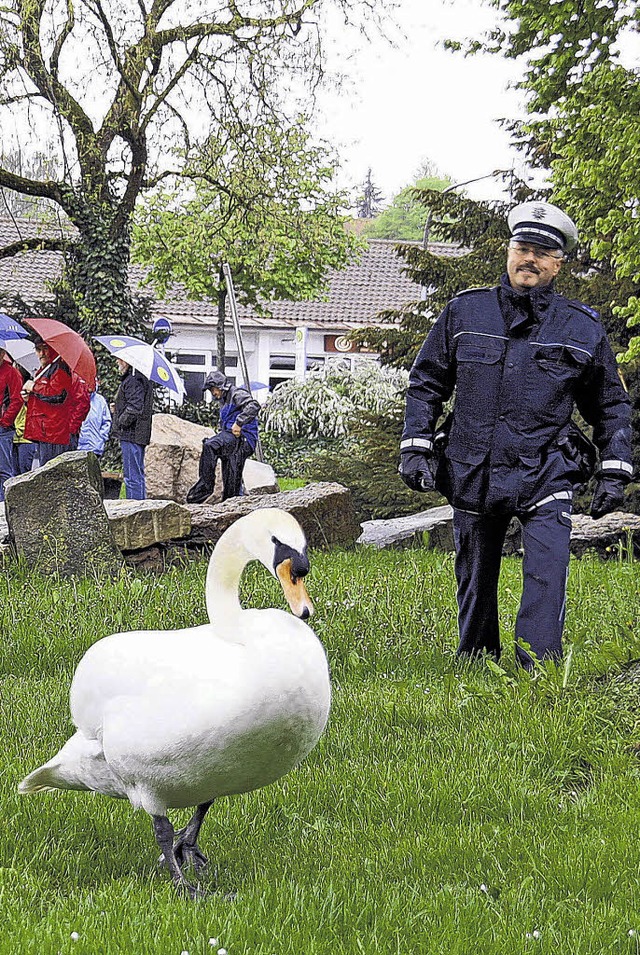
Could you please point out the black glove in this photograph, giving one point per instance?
(415, 471)
(607, 497)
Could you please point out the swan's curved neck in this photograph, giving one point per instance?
(227, 562)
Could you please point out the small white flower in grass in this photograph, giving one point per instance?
(75, 936)
(213, 941)
(631, 932)
(222, 951)
(483, 888)
(536, 933)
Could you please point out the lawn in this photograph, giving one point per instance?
(454, 809)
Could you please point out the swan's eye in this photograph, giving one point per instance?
(298, 563)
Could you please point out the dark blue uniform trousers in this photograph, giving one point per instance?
(478, 541)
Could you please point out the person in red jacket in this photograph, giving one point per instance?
(80, 403)
(10, 404)
(48, 404)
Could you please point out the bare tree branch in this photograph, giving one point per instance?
(230, 27)
(31, 187)
(36, 244)
(161, 97)
(65, 32)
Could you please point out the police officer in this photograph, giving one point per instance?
(235, 442)
(520, 358)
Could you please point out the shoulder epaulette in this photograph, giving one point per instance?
(468, 291)
(591, 312)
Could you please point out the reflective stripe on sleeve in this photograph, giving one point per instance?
(616, 466)
(409, 443)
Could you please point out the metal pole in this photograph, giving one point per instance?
(226, 271)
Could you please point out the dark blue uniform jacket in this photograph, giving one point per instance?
(518, 363)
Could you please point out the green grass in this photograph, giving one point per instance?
(448, 808)
(291, 484)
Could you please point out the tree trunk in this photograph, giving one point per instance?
(96, 276)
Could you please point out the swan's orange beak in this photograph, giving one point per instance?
(294, 590)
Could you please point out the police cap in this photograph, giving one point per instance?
(543, 224)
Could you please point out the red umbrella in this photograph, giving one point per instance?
(71, 347)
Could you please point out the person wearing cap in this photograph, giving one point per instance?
(10, 405)
(520, 357)
(235, 442)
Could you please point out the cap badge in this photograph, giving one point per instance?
(539, 212)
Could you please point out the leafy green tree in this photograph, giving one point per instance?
(263, 201)
(404, 217)
(584, 126)
(116, 84)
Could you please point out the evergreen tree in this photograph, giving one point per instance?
(370, 202)
(405, 217)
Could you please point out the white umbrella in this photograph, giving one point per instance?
(146, 359)
(23, 351)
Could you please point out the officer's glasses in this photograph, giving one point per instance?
(535, 250)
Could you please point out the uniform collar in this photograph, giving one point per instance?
(521, 308)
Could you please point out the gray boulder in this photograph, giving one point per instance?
(56, 518)
(173, 456)
(607, 537)
(325, 511)
(433, 528)
(139, 524)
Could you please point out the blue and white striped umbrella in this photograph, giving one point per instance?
(146, 359)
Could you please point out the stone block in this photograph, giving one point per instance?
(56, 519)
(325, 511)
(138, 524)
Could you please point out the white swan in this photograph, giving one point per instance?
(176, 718)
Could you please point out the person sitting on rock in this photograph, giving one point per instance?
(234, 443)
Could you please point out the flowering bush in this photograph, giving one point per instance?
(330, 401)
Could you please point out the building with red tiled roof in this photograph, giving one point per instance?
(296, 336)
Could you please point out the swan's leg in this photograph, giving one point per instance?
(164, 833)
(185, 845)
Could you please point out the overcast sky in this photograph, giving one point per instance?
(417, 101)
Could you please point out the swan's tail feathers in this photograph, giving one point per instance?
(45, 779)
(80, 764)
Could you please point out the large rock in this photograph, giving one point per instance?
(325, 511)
(607, 537)
(433, 528)
(173, 456)
(56, 518)
(410, 531)
(138, 524)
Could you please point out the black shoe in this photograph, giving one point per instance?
(198, 495)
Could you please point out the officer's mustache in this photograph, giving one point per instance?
(529, 268)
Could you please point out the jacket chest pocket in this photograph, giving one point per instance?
(479, 368)
(559, 363)
(477, 349)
